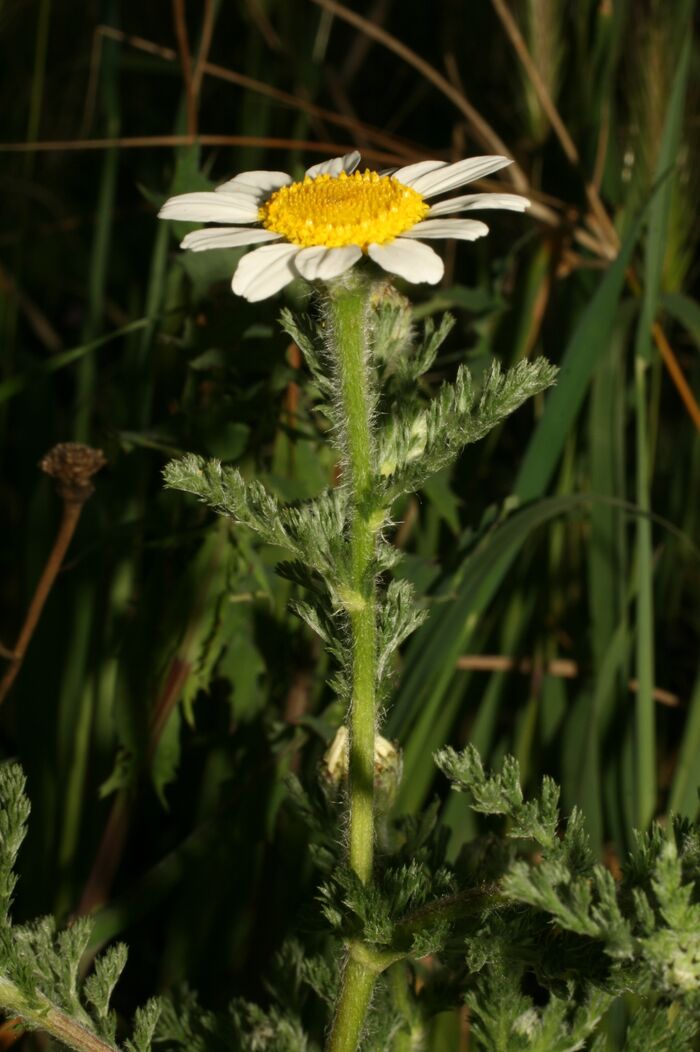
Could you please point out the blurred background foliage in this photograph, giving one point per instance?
(167, 691)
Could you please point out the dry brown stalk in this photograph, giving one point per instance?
(183, 44)
(392, 142)
(568, 145)
(676, 373)
(481, 129)
(265, 27)
(71, 465)
(204, 46)
(144, 141)
(563, 668)
(669, 359)
(357, 52)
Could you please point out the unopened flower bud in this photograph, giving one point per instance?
(388, 764)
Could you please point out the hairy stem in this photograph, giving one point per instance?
(41, 1014)
(351, 1010)
(348, 311)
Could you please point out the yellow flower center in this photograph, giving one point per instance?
(359, 209)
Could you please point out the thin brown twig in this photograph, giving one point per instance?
(183, 44)
(481, 129)
(265, 26)
(562, 668)
(203, 54)
(676, 373)
(72, 465)
(357, 53)
(250, 83)
(401, 150)
(151, 47)
(669, 358)
(567, 143)
(66, 529)
(540, 304)
(145, 141)
(591, 242)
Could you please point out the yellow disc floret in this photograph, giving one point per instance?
(359, 209)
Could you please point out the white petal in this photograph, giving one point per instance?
(348, 164)
(452, 175)
(409, 259)
(227, 237)
(463, 229)
(469, 202)
(206, 207)
(265, 271)
(262, 182)
(411, 172)
(320, 263)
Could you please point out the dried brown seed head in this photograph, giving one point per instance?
(72, 465)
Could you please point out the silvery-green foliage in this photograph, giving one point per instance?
(399, 617)
(554, 916)
(669, 920)
(420, 358)
(185, 1024)
(311, 531)
(40, 967)
(506, 1020)
(386, 914)
(13, 827)
(501, 794)
(640, 934)
(668, 1031)
(145, 1025)
(653, 936)
(54, 958)
(99, 987)
(419, 442)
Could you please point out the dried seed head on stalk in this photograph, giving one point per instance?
(72, 465)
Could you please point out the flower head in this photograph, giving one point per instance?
(320, 226)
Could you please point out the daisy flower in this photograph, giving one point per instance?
(320, 226)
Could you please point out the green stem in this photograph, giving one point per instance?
(366, 962)
(355, 993)
(41, 1014)
(348, 312)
